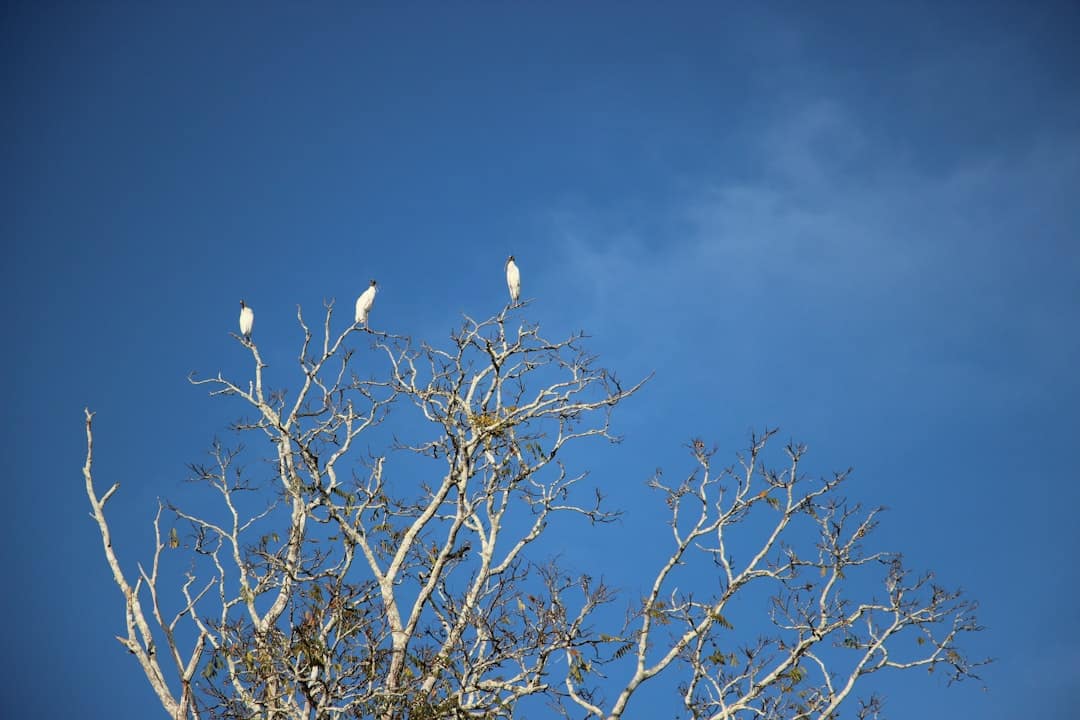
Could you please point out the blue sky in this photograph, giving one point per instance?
(857, 221)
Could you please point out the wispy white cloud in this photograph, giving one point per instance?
(848, 240)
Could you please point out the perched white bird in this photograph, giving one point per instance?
(247, 320)
(364, 303)
(513, 279)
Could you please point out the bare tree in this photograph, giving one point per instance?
(336, 582)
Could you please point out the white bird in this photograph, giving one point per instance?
(364, 303)
(513, 279)
(247, 320)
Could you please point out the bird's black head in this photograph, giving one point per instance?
(242, 306)
(373, 283)
(510, 259)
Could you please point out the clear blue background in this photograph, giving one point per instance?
(858, 221)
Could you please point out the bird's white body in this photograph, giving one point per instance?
(364, 303)
(513, 279)
(247, 320)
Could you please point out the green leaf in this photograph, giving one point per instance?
(721, 621)
(212, 666)
(718, 658)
